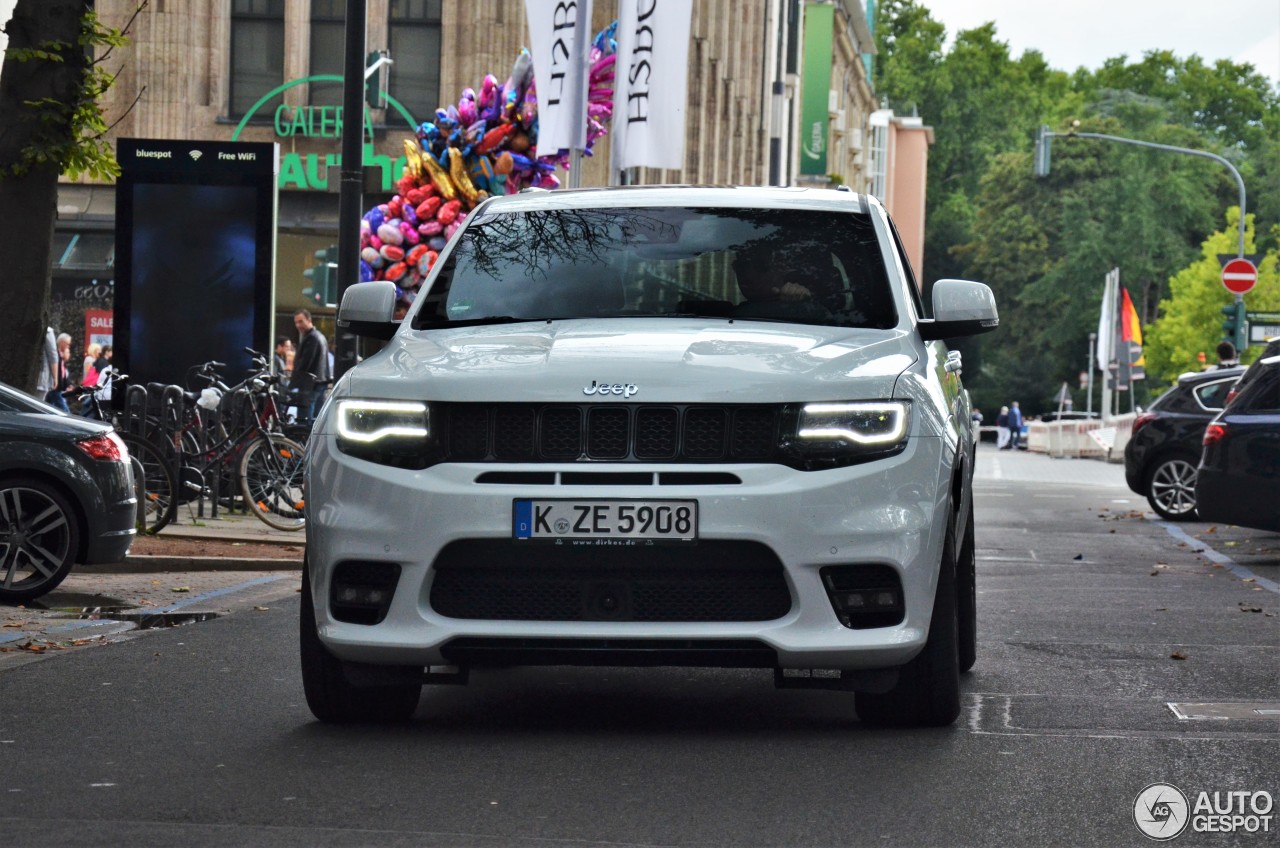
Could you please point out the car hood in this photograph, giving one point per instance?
(661, 360)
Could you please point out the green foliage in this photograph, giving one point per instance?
(1045, 245)
(72, 135)
(1190, 322)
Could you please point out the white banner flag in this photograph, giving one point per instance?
(1107, 320)
(559, 37)
(650, 85)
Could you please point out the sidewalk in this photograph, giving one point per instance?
(229, 527)
(230, 542)
(1025, 466)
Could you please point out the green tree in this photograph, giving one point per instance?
(1045, 246)
(1190, 318)
(49, 92)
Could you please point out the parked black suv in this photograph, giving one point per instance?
(1162, 454)
(1239, 475)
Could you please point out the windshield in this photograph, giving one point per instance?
(759, 264)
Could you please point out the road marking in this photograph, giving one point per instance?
(1225, 711)
(992, 715)
(1210, 554)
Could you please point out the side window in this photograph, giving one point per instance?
(905, 264)
(414, 41)
(328, 49)
(257, 54)
(1261, 395)
(1213, 396)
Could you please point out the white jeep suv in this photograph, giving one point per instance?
(650, 426)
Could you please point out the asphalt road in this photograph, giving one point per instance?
(198, 735)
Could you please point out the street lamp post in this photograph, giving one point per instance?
(1093, 340)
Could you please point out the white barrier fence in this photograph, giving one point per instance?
(1091, 439)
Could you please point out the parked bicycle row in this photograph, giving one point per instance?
(209, 443)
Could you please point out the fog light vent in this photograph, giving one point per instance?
(865, 596)
(361, 592)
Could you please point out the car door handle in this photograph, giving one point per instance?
(953, 362)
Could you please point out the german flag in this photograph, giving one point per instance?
(1131, 335)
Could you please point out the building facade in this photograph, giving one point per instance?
(270, 71)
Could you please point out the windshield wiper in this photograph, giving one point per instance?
(434, 323)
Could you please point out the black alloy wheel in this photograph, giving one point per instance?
(39, 538)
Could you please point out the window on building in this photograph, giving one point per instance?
(328, 49)
(414, 42)
(257, 53)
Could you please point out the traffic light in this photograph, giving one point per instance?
(1041, 163)
(323, 290)
(1233, 324)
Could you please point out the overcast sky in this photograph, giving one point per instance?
(1086, 32)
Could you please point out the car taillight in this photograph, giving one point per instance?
(1215, 433)
(1142, 420)
(1231, 395)
(107, 447)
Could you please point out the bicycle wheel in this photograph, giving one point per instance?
(157, 494)
(271, 481)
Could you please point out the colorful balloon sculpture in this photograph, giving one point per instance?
(472, 150)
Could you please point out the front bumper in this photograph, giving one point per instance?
(892, 512)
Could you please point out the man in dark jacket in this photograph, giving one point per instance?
(310, 378)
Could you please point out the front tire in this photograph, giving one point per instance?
(928, 690)
(1171, 487)
(39, 539)
(967, 596)
(330, 694)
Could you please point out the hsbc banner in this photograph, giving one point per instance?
(650, 84)
(559, 35)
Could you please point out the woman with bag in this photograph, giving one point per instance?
(89, 369)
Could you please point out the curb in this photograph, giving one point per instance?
(159, 564)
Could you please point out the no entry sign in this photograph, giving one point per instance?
(1239, 276)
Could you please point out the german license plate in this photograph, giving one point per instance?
(605, 521)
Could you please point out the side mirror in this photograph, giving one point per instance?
(367, 310)
(960, 308)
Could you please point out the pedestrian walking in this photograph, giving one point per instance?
(89, 367)
(284, 360)
(63, 381)
(47, 377)
(309, 380)
(1015, 427)
(1227, 356)
(1002, 429)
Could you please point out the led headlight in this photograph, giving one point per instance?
(848, 429)
(387, 432)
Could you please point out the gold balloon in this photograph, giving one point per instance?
(461, 179)
(413, 159)
(440, 177)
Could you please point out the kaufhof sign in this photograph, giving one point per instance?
(320, 171)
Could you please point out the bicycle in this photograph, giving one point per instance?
(267, 464)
